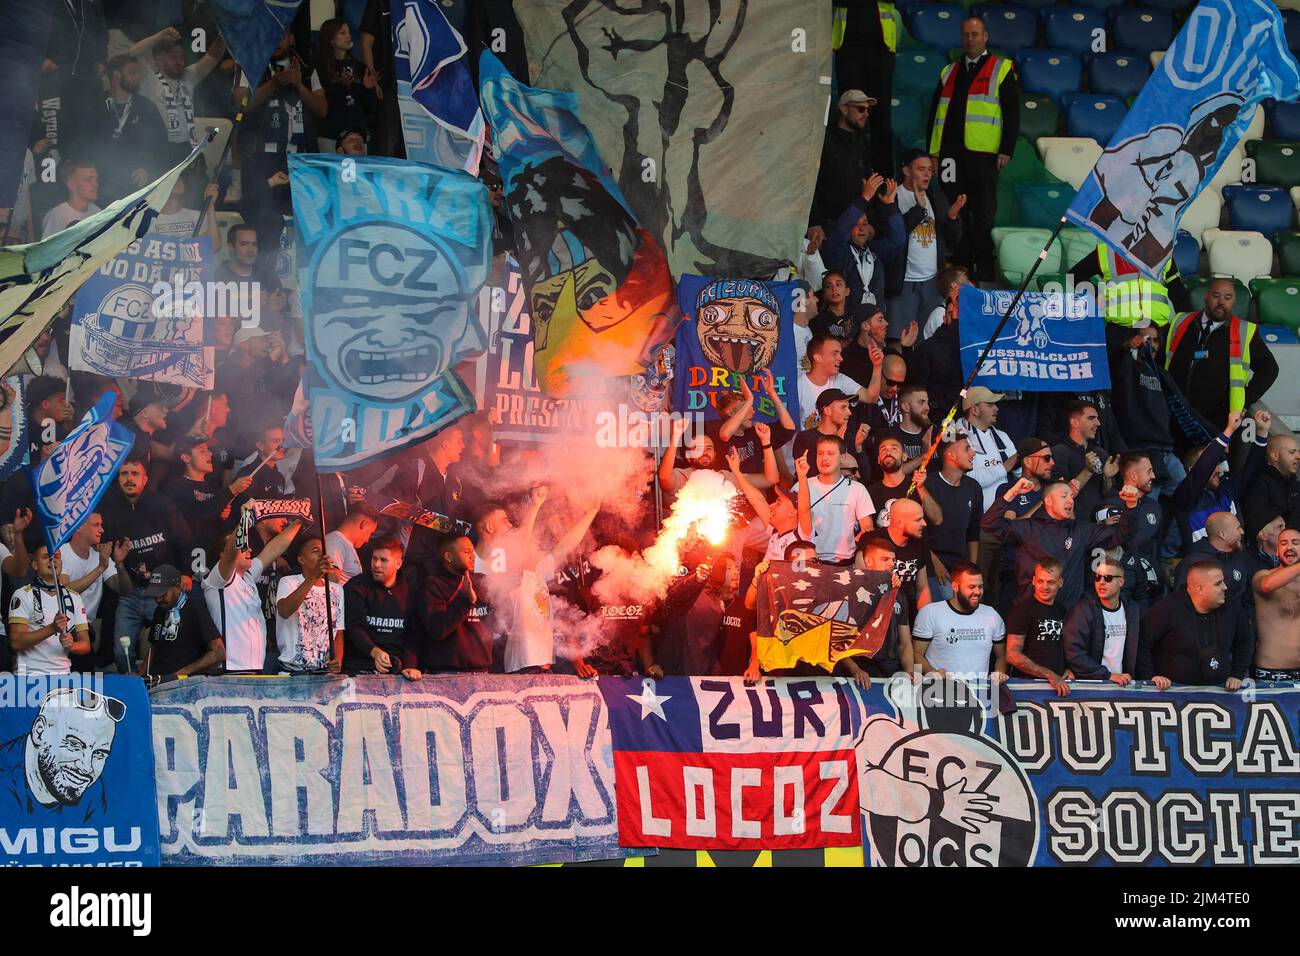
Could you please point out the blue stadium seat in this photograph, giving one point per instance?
(1071, 28)
(936, 25)
(1142, 28)
(1265, 209)
(1283, 119)
(1187, 254)
(1011, 26)
(1291, 23)
(1118, 74)
(1094, 117)
(917, 71)
(1050, 72)
(1096, 4)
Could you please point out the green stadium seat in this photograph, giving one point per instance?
(1039, 116)
(907, 116)
(916, 72)
(1276, 163)
(1287, 245)
(1076, 244)
(1277, 301)
(1043, 204)
(1019, 249)
(1008, 212)
(1025, 166)
(1196, 289)
(1059, 281)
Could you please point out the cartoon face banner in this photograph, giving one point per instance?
(600, 294)
(712, 116)
(13, 425)
(1053, 342)
(143, 314)
(734, 329)
(391, 256)
(1229, 57)
(76, 772)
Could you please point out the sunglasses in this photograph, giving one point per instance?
(1106, 578)
(1046, 456)
(893, 384)
(861, 108)
(85, 699)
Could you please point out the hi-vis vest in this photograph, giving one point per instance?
(1128, 295)
(983, 133)
(1240, 334)
(888, 26)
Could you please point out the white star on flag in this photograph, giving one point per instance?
(650, 702)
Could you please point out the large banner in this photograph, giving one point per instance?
(76, 772)
(1229, 57)
(712, 116)
(1053, 342)
(391, 255)
(329, 771)
(735, 328)
(143, 314)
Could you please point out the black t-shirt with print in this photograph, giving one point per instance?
(180, 640)
(1042, 625)
(909, 558)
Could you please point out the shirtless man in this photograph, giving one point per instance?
(1277, 614)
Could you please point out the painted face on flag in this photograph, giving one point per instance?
(737, 323)
(389, 311)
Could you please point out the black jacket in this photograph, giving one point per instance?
(947, 235)
(1271, 495)
(1193, 499)
(1237, 569)
(1205, 381)
(1085, 638)
(1193, 648)
(936, 364)
(448, 632)
(374, 616)
(837, 253)
(157, 532)
(845, 162)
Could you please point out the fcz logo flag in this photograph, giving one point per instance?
(713, 764)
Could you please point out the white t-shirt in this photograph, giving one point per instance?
(343, 554)
(959, 643)
(37, 607)
(864, 260)
(75, 566)
(525, 615)
(808, 393)
(992, 447)
(922, 243)
(933, 322)
(180, 223)
(303, 637)
(244, 627)
(837, 508)
(778, 542)
(57, 219)
(175, 101)
(1116, 623)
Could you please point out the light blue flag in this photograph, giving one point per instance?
(253, 28)
(437, 98)
(1192, 112)
(391, 256)
(71, 481)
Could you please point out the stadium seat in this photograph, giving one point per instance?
(1277, 301)
(1069, 158)
(1256, 128)
(1018, 250)
(1011, 26)
(1258, 209)
(1187, 254)
(1008, 212)
(936, 25)
(1241, 254)
(1093, 117)
(1038, 116)
(1072, 28)
(1144, 29)
(1076, 244)
(1096, 4)
(1204, 213)
(908, 121)
(1025, 166)
(1043, 204)
(1230, 172)
(917, 71)
(1117, 74)
(1283, 119)
(1276, 163)
(1276, 335)
(1056, 280)
(1295, 197)
(1287, 245)
(1173, 6)
(1197, 288)
(1291, 23)
(1050, 72)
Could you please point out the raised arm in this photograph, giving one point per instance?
(768, 384)
(752, 494)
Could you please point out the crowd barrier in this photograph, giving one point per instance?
(551, 770)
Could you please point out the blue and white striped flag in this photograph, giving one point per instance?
(1192, 112)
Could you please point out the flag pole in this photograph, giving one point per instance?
(329, 611)
(988, 347)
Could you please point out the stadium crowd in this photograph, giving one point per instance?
(1150, 531)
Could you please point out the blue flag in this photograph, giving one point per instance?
(733, 328)
(253, 28)
(391, 256)
(24, 35)
(1192, 112)
(69, 483)
(1053, 342)
(441, 121)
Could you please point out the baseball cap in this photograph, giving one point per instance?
(831, 395)
(160, 579)
(142, 400)
(187, 444)
(981, 394)
(1030, 446)
(856, 96)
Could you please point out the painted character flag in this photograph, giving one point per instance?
(821, 614)
(13, 425)
(1229, 56)
(391, 256)
(599, 290)
(733, 329)
(71, 481)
